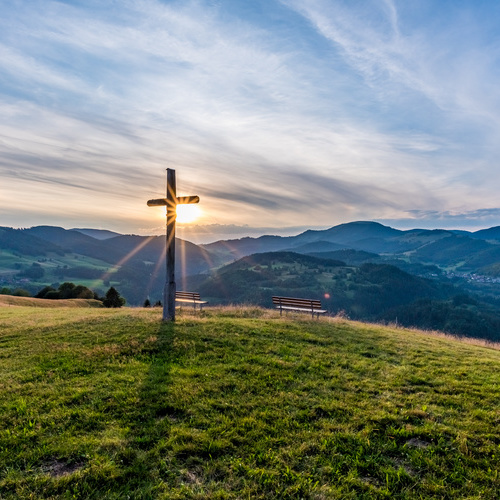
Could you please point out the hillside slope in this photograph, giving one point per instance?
(9, 300)
(238, 403)
(134, 264)
(465, 251)
(369, 291)
(44, 255)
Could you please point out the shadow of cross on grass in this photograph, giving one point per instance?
(152, 406)
(134, 461)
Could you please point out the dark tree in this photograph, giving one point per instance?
(82, 292)
(44, 291)
(113, 298)
(66, 290)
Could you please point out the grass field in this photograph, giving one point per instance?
(11, 300)
(240, 403)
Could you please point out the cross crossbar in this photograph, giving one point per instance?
(157, 203)
(179, 200)
(183, 200)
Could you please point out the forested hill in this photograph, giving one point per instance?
(42, 241)
(45, 255)
(361, 292)
(366, 269)
(461, 250)
(370, 291)
(24, 243)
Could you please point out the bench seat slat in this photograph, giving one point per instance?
(191, 301)
(187, 295)
(310, 303)
(305, 309)
(297, 304)
(190, 297)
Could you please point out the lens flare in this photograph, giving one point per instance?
(187, 213)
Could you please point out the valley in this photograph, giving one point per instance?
(433, 279)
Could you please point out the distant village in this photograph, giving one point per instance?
(473, 277)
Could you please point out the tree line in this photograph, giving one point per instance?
(69, 290)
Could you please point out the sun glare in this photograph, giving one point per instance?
(187, 213)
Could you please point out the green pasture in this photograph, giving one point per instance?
(56, 269)
(238, 403)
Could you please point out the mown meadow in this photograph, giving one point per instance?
(240, 403)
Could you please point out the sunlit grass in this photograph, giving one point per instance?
(240, 403)
(13, 301)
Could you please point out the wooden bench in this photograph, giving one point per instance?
(301, 305)
(190, 297)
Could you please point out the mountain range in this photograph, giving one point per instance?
(458, 251)
(461, 250)
(412, 265)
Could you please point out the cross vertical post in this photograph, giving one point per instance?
(171, 202)
(170, 287)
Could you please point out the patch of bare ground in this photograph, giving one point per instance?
(417, 443)
(192, 477)
(371, 481)
(401, 464)
(59, 468)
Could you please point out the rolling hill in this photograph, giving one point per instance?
(463, 251)
(18, 240)
(240, 403)
(12, 301)
(136, 264)
(98, 234)
(492, 233)
(46, 255)
(370, 291)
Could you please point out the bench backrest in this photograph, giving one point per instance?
(187, 295)
(293, 302)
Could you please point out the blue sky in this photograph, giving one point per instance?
(280, 114)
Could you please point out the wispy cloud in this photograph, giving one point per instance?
(370, 112)
(429, 219)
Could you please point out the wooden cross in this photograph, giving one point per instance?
(171, 202)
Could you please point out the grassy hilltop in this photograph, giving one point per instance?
(240, 403)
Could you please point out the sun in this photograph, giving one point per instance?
(187, 213)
